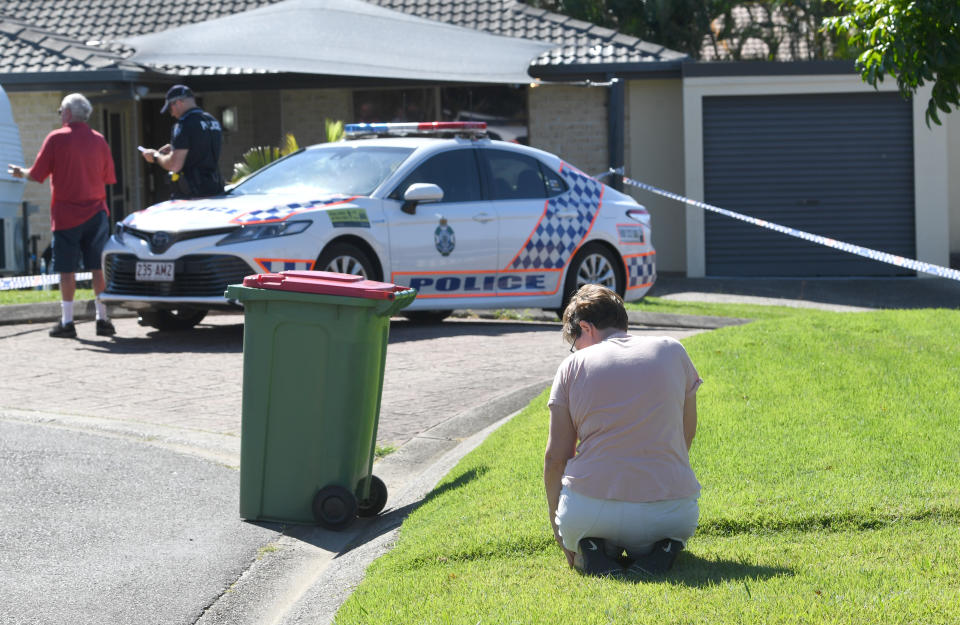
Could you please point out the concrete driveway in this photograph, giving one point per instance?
(119, 489)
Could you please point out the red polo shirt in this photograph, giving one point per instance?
(79, 159)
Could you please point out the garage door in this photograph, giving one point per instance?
(838, 165)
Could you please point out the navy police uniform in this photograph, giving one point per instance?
(201, 134)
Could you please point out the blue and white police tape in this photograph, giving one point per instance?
(31, 282)
(866, 252)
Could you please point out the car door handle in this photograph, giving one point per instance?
(484, 217)
(572, 215)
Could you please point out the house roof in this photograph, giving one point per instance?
(578, 42)
(25, 47)
(88, 31)
(431, 50)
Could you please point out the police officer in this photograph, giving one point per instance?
(193, 154)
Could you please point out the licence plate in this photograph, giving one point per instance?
(151, 271)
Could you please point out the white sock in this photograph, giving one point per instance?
(101, 309)
(66, 312)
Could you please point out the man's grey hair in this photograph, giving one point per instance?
(80, 107)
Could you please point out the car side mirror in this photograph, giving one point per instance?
(420, 192)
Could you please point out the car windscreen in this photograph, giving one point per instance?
(340, 169)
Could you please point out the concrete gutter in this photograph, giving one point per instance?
(84, 310)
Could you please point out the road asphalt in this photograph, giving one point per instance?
(119, 456)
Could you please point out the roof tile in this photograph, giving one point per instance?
(46, 24)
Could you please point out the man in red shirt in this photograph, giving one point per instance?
(79, 161)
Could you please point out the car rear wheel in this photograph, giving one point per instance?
(346, 258)
(172, 320)
(593, 264)
(427, 316)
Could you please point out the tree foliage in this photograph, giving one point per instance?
(717, 29)
(918, 41)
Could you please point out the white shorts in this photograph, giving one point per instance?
(633, 526)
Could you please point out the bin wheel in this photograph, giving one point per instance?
(372, 505)
(334, 507)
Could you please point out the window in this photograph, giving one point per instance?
(555, 184)
(332, 168)
(454, 171)
(514, 176)
(395, 105)
(503, 107)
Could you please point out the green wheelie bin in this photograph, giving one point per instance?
(314, 346)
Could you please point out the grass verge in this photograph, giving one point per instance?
(829, 455)
(710, 309)
(33, 296)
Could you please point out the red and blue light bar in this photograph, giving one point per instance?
(407, 128)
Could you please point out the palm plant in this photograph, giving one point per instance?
(260, 156)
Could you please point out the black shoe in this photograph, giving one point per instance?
(594, 559)
(61, 331)
(660, 558)
(105, 328)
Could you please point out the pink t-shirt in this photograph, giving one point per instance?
(625, 398)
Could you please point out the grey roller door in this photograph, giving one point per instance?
(837, 165)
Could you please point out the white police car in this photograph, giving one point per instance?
(466, 221)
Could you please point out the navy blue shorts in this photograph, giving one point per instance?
(84, 242)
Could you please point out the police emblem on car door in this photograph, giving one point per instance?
(461, 226)
(444, 238)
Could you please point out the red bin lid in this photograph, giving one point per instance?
(323, 283)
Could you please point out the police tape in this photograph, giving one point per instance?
(31, 282)
(866, 252)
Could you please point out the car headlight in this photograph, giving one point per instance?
(244, 234)
(118, 232)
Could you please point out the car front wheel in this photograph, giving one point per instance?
(346, 258)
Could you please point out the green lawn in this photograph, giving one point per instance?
(648, 304)
(709, 309)
(32, 296)
(829, 453)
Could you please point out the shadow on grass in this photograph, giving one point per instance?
(461, 480)
(696, 572)
(367, 530)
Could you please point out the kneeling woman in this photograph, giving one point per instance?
(630, 401)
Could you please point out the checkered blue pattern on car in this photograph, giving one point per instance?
(279, 213)
(641, 270)
(277, 265)
(556, 238)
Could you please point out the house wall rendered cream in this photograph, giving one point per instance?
(654, 154)
(931, 183)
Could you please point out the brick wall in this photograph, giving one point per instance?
(244, 137)
(36, 115)
(571, 122)
(303, 112)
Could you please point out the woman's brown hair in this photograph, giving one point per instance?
(594, 304)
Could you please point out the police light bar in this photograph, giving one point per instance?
(413, 128)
